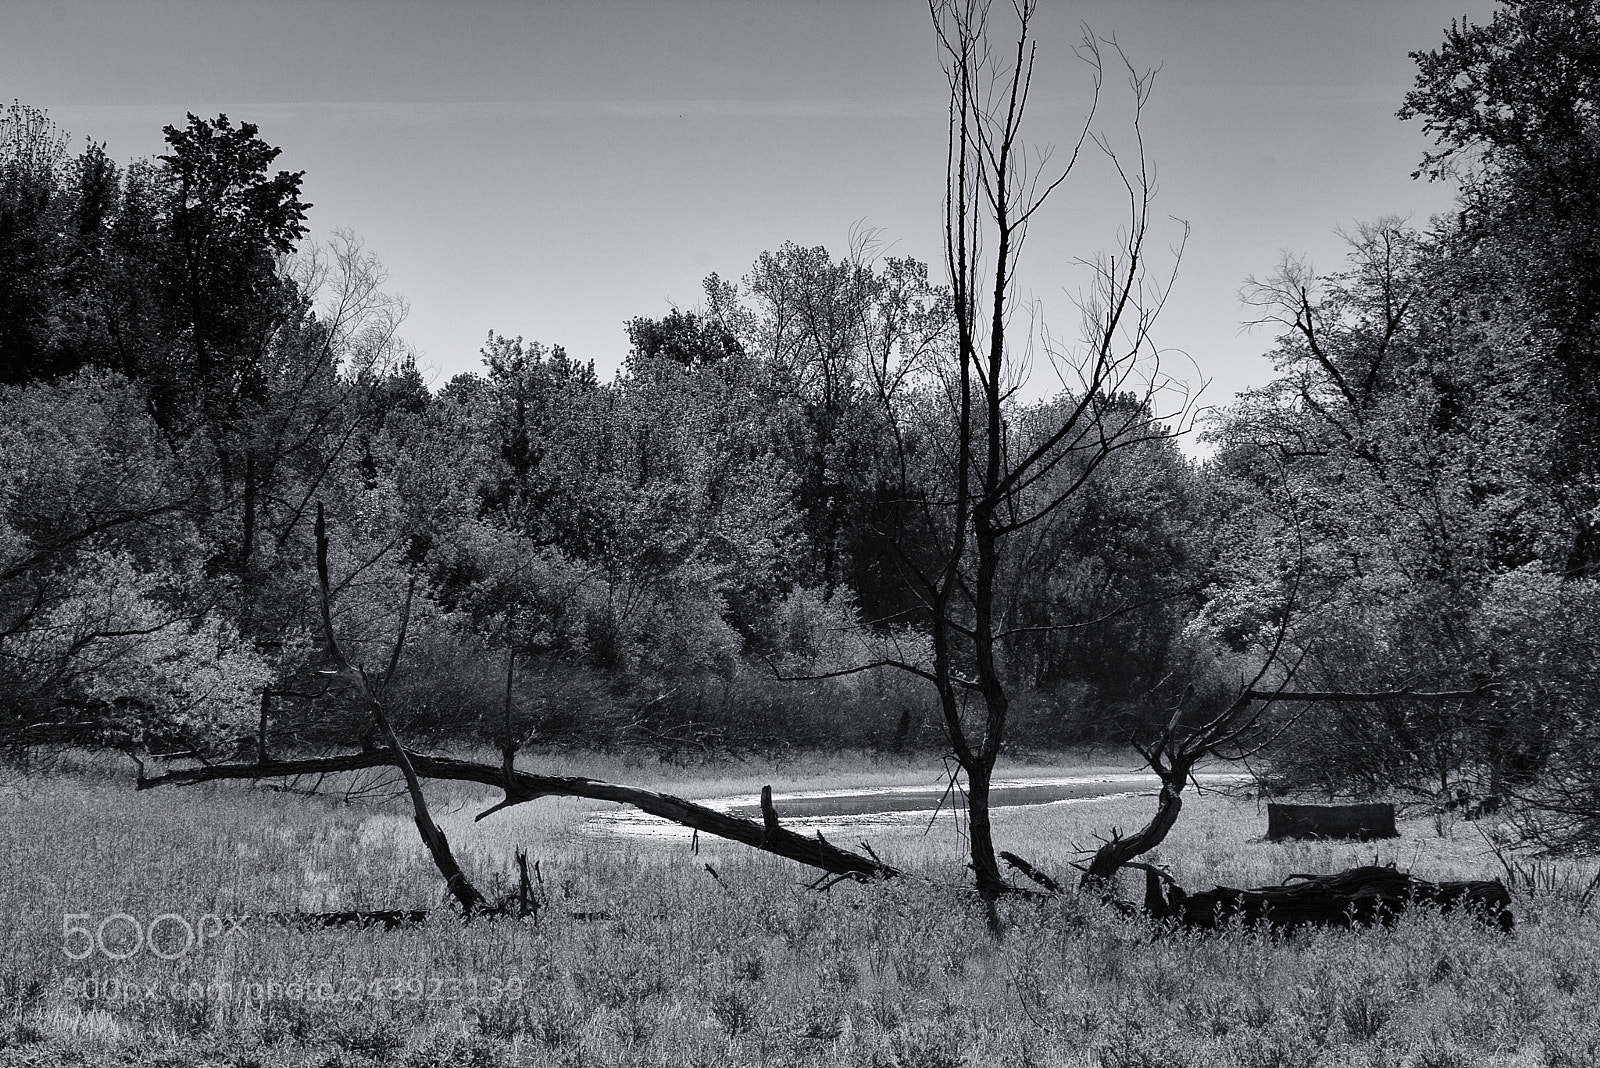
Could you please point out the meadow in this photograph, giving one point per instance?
(706, 953)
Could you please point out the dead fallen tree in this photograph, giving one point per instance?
(1359, 897)
(521, 787)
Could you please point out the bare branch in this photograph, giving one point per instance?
(527, 787)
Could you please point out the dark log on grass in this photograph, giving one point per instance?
(1361, 822)
(1357, 897)
(522, 787)
(388, 919)
(393, 919)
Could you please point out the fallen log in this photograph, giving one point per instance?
(1361, 822)
(1357, 897)
(521, 787)
(388, 919)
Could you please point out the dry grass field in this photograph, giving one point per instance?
(640, 956)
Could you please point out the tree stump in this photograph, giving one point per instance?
(1361, 822)
(1357, 897)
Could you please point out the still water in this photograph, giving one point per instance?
(847, 810)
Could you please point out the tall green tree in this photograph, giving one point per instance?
(225, 219)
(32, 211)
(56, 214)
(839, 338)
(1514, 105)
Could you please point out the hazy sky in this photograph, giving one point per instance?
(553, 169)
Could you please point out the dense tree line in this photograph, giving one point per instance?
(187, 379)
(1413, 501)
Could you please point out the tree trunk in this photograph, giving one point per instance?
(1111, 857)
(981, 832)
(247, 531)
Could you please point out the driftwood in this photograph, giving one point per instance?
(391, 919)
(1357, 897)
(521, 787)
(1361, 822)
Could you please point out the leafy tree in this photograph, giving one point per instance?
(1434, 428)
(105, 635)
(224, 221)
(32, 153)
(686, 338)
(836, 336)
(1098, 594)
(1366, 478)
(110, 661)
(700, 511)
(543, 407)
(55, 214)
(1515, 107)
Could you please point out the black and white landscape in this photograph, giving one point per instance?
(709, 533)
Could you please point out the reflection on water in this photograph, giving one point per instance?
(849, 811)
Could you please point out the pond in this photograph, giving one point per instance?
(845, 811)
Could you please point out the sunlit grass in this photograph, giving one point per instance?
(744, 967)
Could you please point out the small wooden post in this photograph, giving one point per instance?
(769, 815)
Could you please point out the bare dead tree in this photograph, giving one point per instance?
(998, 480)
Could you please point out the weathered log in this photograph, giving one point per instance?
(1357, 897)
(522, 787)
(1361, 822)
(389, 919)
(393, 919)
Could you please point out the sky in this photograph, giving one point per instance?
(552, 170)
